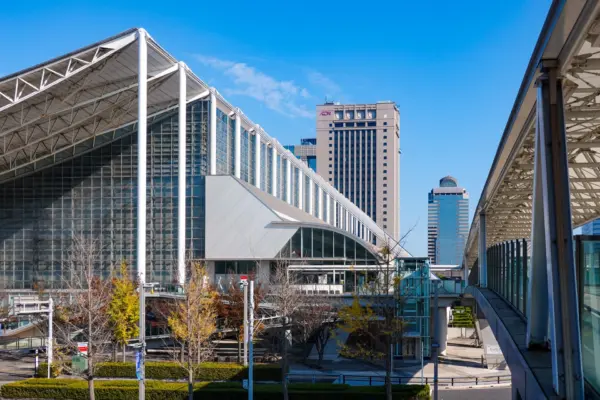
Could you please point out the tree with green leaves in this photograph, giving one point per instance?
(123, 310)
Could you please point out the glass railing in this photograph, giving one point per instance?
(587, 256)
(507, 272)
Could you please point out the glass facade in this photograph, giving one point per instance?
(94, 194)
(448, 223)
(321, 243)
(222, 142)
(414, 294)
(244, 157)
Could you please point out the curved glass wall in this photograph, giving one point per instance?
(317, 243)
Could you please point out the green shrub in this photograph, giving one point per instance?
(208, 371)
(55, 370)
(157, 390)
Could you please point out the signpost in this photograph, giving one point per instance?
(251, 345)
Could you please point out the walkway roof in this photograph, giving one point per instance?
(571, 36)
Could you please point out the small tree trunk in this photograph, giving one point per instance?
(239, 356)
(191, 384)
(182, 353)
(388, 369)
(124, 345)
(114, 351)
(91, 388)
(284, 362)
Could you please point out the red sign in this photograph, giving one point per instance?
(243, 278)
(325, 113)
(82, 347)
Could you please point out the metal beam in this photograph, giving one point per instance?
(482, 251)
(552, 174)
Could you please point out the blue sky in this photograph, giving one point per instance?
(454, 68)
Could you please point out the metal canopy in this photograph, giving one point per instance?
(72, 104)
(58, 109)
(571, 35)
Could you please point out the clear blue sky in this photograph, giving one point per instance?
(454, 68)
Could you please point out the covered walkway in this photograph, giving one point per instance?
(544, 182)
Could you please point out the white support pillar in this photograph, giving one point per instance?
(238, 144)
(141, 161)
(274, 169)
(328, 208)
(288, 181)
(212, 140)
(181, 178)
(335, 220)
(141, 197)
(347, 220)
(552, 173)
(320, 208)
(257, 171)
(311, 196)
(482, 252)
(300, 190)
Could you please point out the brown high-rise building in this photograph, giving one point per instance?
(358, 148)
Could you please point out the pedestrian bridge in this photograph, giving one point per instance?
(533, 279)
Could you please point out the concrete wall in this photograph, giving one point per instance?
(460, 332)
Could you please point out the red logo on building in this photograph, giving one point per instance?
(325, 113)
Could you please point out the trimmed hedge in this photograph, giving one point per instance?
(156, 390)
(208, 372)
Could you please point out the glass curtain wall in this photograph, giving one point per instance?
(94, 195)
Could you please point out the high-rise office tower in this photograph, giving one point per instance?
(448, 222)
(306, 151)
(358, 152)
(591, 228)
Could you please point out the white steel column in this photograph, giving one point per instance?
(141, 161)
(565, 335)
(212, 141)
(288, 181)
(274, 169)
(238, 141)
(334, 220)
(311, 196)
(181, 184)
(257, 171)
(482, 252)
(347, 220)
(328, 208)
(320, 208)
(141, 196)
(301, 189)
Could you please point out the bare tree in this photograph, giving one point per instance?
(81, 316)
(316, 318)
(193, 322)
(230, 308)
(374, 315)
(287, 299)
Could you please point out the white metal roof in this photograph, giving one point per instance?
(71, 104)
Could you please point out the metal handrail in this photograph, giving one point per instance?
(378, 380)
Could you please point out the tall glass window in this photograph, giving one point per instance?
(263, 166)
(231, 144)
(306, 196)
(253, 139)
(269, 169)
(244, 156)
(222, 142)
